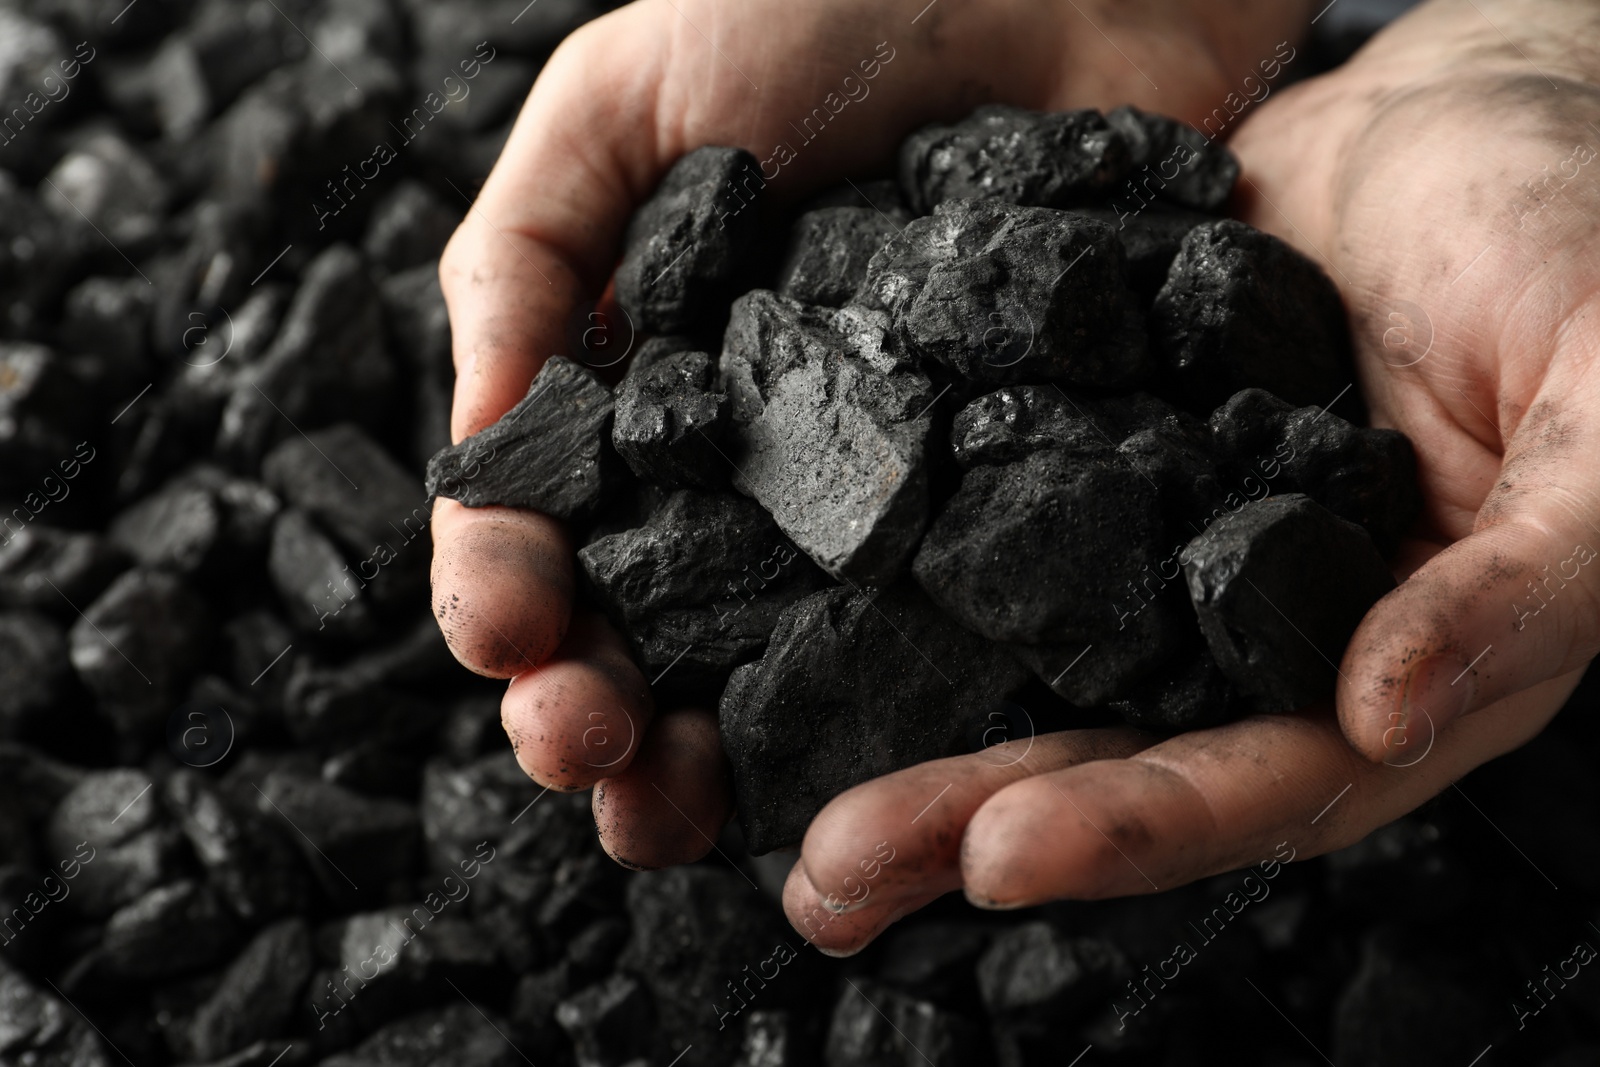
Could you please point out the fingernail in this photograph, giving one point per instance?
(1439, 690)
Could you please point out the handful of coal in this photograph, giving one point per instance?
(1029, 436)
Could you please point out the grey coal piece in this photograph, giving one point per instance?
(1241, 308)
(832, 432)
(701, 583)
(1363, 474)
(547, 453)
(1016, 155)
(853, 685)
(685, 246)
(829, 249)
(1173, 160)
(1002, 293)
(670, 417)
(1279, 587)
(1044, 553)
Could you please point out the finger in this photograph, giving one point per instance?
(543, 230)
(540, 234)
(502, 586)
(674, 798)
(1213, 801)
(581, 715)
(893, 843)
(1514, 603)
(835, 933)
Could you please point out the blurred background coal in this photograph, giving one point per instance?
(251, 812)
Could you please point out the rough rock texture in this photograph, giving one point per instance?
(255, 995)
(701, 583)
(1367, 476)
(1241, 308)
(852, 686)
(112, 824)
(832, 432)
(829, 249)
(460, 1034)
(327, 364)
(39, 1030)
(685, 246)
(547, 453)
(1279, 587)
(1151, 237)
(1001, 293)
(34, 669)
(354, 845)
(1191, 695)
(1052, 553)
(670, 417)
(700, 938)
(137, 646)
(1035, 551)
(876, 1024)
(1012, 154)
(1173, 160)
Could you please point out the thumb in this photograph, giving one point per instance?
(1515, 603)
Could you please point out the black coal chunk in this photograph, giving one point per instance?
(138, 645)
(1365, 475)
(255, 996)
(41, 409)
(685, 246)
(1016, 155)
(34, 669)
(547, 453)
(670, 417)
(1411, 1001)
(173, 929)
(701, 583)
(1151, 237)
(1037, 550)
(1035, 981)
(1173, 160)
(875, 1024)
(40, 1030)
(461, 1035)
(178, 528)
(834, 445)
(408, 228)
(344, 835)
(318, 591)
(46, 569)
(351, 486)
(1002, 293)
(120, 840)
(852, 686)
(1279, 587)
(609, 1022)
(249, 861)
(705, 944)
(829, 249)
(327, 364)
(1241, 308)
(1012, 423)
(1191, 695)
(1169, 449)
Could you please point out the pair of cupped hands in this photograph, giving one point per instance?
(1442, 177)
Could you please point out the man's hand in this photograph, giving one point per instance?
(616, 105)
(1448, 179)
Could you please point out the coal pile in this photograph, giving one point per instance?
(994, 429)
(253, 814)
